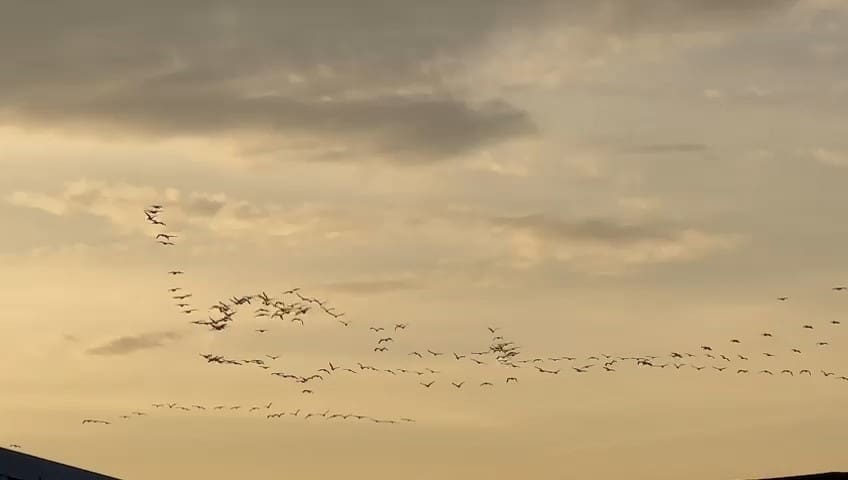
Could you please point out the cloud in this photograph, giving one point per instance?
(606, 246)
(660, 148)
(388, 79)
(121, 204)
(134, 343)
(70, 338)
(830, 158)
(376, 286)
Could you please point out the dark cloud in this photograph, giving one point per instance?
(374, 286)
(204, 205)
(129, 344)
(266, 67)
(668, 148)
(593, 230)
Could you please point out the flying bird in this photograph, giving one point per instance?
(90, 420)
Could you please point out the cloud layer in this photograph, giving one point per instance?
(393, 80)
(424, 238)
(133, 343)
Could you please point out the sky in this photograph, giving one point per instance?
(621, 177)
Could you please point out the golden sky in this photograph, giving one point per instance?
(620, 177)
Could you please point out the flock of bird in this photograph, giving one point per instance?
(500, 361)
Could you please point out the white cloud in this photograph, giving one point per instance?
(830, 158)
(121, 205)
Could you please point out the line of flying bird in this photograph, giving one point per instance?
(293, 307)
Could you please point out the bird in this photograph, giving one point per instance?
(166, 236)
(809, 327)
(307, 391)
(381, 349)
(514, 379)
(766, 334)
(783, 299)
(15, 445)
(486, 384)
(176, 272)
(821, 344)
(735, 341)
(835, 322)
(401, 326)
(261, 330)
(273, 357)
(839, 289)
(377, 329)
(542, 370)
(458, 385)
(766, 371)
(428, 385)
(90, 420)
